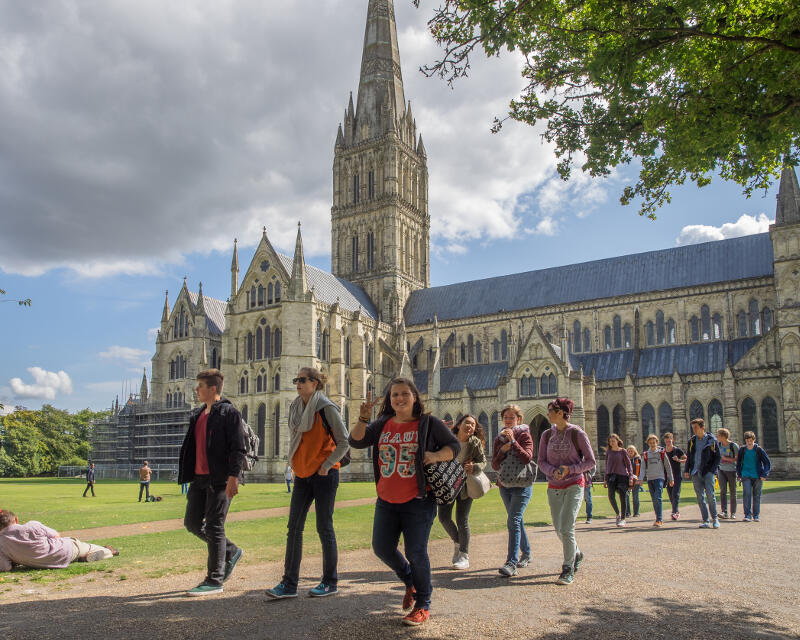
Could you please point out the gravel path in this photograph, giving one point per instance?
(157, 526)
(679, 582)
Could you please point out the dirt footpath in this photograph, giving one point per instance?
(678, 582)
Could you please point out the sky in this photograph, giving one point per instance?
(137, 140)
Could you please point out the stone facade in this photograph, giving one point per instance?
(640, 343)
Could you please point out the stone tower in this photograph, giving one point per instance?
(785, 234)
(380, 221)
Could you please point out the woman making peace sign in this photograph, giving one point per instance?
(404, 438)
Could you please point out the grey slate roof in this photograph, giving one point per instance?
(215, 313)
(692, 265)
(702, 357)
(474, 376)
(327, 288)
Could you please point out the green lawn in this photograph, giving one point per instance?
(152, 555)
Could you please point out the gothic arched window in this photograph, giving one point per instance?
(276, 434)
(470, 348)
(244, 413)
(741, 321)
(755, 318)
(602, 426)
(749, 422)
(260, 296)
(318, 341)
(664, 418)
(267, 342)
(769, 425)
(714, 415)
(696, 410)
(356, 189)
(617, 322)
(355, 253)
(463, 353)
(347, 352)
(661, 328)
(524, 386)
(496, 349)
(694, 328)
(766, 320)
(607, 337)
(650, 333)
(252, 297)
(261, 427)
(672, 335)
(626, 332)
(277, 292)
(270, 293)
(277, 341)
(249, 346)
(705, 321)
(277, 382)
(716, 327)
(618, 417)
(259, 343)
(587, 341)
(503, 345)
(576, 336)
(495, 428)
(648, 421)
(478, 352)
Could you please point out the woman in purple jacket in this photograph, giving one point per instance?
(619, 476)
(564, 455)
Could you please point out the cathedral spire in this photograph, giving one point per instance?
(298, 285)
(788, 210)
(200, 307)
(380, 64)
(165, 312)
(143, 388)
(235, 270)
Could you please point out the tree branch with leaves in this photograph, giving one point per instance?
(22, 303)
(686, 87)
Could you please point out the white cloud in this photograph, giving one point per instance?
(46, 384)
(152, 334)
(746, 225)
(547, 227)
(128, 355)
(142, 131)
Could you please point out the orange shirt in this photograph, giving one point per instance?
(315, 447)
(397, 455)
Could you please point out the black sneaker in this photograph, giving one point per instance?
(577, 562)
(508, 569)
(567, 575)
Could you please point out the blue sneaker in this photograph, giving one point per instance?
(230, 565)
(716, 524)
(322, 590)
(755, 519)
(205, 588)
(705, 525)
(280, 592)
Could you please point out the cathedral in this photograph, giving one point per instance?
(642, 343)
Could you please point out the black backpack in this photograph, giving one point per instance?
(345, 460)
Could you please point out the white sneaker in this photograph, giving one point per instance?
(622, 523)
(462, 562)
(456, 553)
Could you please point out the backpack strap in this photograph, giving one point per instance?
(325, 424)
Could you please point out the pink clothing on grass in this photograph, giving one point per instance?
(34, 545)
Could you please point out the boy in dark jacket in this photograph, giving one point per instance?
(702, 461)
(211, 459)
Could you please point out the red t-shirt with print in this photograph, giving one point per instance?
(200, 456)
(397, 453)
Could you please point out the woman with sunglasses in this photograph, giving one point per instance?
(317, 441)
(565, 454)
(403, 439)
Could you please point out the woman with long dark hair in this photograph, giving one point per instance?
(403, 439)
(473, 441)
(619, 476)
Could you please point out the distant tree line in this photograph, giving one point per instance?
(35, 443)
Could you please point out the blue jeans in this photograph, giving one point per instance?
(635, 490)
(751, 496)
(516, 499)
(414, 520)
(321, 490)
(656, 488)
(704, 489)
(587, 498)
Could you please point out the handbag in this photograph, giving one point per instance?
(445, 480)
(515, 473)
(478, 485)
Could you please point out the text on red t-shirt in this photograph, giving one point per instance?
(397, 453)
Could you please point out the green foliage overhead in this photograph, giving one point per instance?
(686, 87)
(34, 443)
(22, 303)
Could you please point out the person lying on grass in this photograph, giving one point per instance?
(34, 545)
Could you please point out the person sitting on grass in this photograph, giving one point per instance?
(34, 545)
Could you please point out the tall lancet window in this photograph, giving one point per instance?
(355, 254)
(371, 185)
(355, 188)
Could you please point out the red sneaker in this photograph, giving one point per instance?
(408, 599)
(417, 617)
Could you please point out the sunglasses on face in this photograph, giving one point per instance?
(302, 380)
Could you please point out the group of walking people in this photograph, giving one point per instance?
(403, 440)
(708, 462)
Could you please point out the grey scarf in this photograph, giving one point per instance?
(301, 419)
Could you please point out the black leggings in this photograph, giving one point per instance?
(618, 489)
(459, 530)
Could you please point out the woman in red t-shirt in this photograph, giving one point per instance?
(404, 438)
